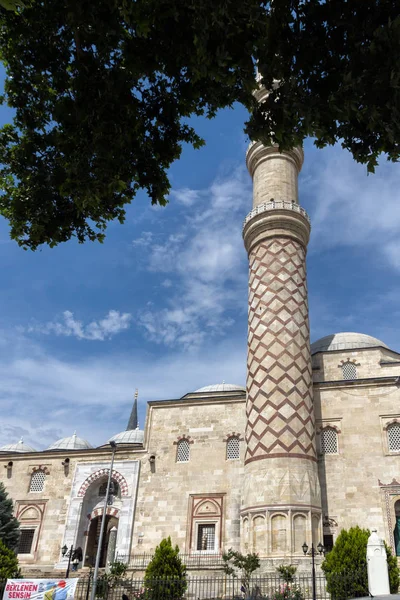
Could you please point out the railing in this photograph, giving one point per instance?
(274, 205)
(192, 561)
(269, 587)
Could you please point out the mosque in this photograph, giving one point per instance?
(310, 446)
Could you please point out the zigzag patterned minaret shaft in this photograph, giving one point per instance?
(280, 462)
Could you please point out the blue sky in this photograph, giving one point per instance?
(162, 305)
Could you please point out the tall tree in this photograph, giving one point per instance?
(9, 526)
(8, 563)
(102, 92)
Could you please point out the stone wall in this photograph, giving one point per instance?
(168, 489)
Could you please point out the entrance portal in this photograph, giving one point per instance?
(93, 539)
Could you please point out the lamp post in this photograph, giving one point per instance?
(64, 551)
(313, 554)
(100, 542)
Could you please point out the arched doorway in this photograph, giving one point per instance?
(397, 528)
(93, 539)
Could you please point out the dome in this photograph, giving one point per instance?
(345, 341)
(221, 387)
(132, 436)
(72, 442)
(19, 447)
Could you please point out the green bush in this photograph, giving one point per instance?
(165, 576)
(9, 526)
(287, 572)
(345, 567)
(8, 563)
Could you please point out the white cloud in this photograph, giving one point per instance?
(63, 395)
(144, 240)
(352, 208)
(207, 259)
(114, 322)
(186, 196)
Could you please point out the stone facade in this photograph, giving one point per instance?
(311, 447)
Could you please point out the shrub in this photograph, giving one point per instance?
(165, 576)
(287, 572)
(244, 564)
(287, 591)
(345, 566)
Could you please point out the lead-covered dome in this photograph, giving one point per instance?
(131, 436)
(73, 442)
(345, 341)
(18, 447)
(221, 387)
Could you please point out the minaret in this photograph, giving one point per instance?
(133, 419)
(281, 478)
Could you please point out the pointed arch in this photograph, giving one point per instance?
(123, 484)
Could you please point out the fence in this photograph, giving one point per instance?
(271, 587)
(192, 561)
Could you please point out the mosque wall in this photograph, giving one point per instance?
(180, 498)
(42, 503)
(374, 362)
(355, 479)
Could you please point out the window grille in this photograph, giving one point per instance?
(232, 448)
(206, 537)
(349, 370)
(183, 451)
(329, 441)
(393, 433)
(37, 481)
(25, 541)
(114, 490)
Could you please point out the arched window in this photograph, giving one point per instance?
(183, 451)
(114, 489)
(349, 370)
(233, 448)
(329, 441)
(393, 433)
(37, 481)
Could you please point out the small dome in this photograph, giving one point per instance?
(72, 442)
(345, 341)
(221, 387)
(132, 436)
(19, 447)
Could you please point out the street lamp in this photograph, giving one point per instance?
(103, 521)
(64, 551)
(320, 549)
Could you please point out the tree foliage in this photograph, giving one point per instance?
(241, 565)
(345, 566)
(102, 92)
(8, 563)
(9, 526)
(165, 575)
(287, 572)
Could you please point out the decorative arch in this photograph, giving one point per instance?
(123, 484)
(328, 426)
(207, 506)
(185, 438)
(389, 423)
(98, 512)
(30, 513)
(233, 434)
(41, 468)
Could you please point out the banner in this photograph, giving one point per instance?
(40, 589)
